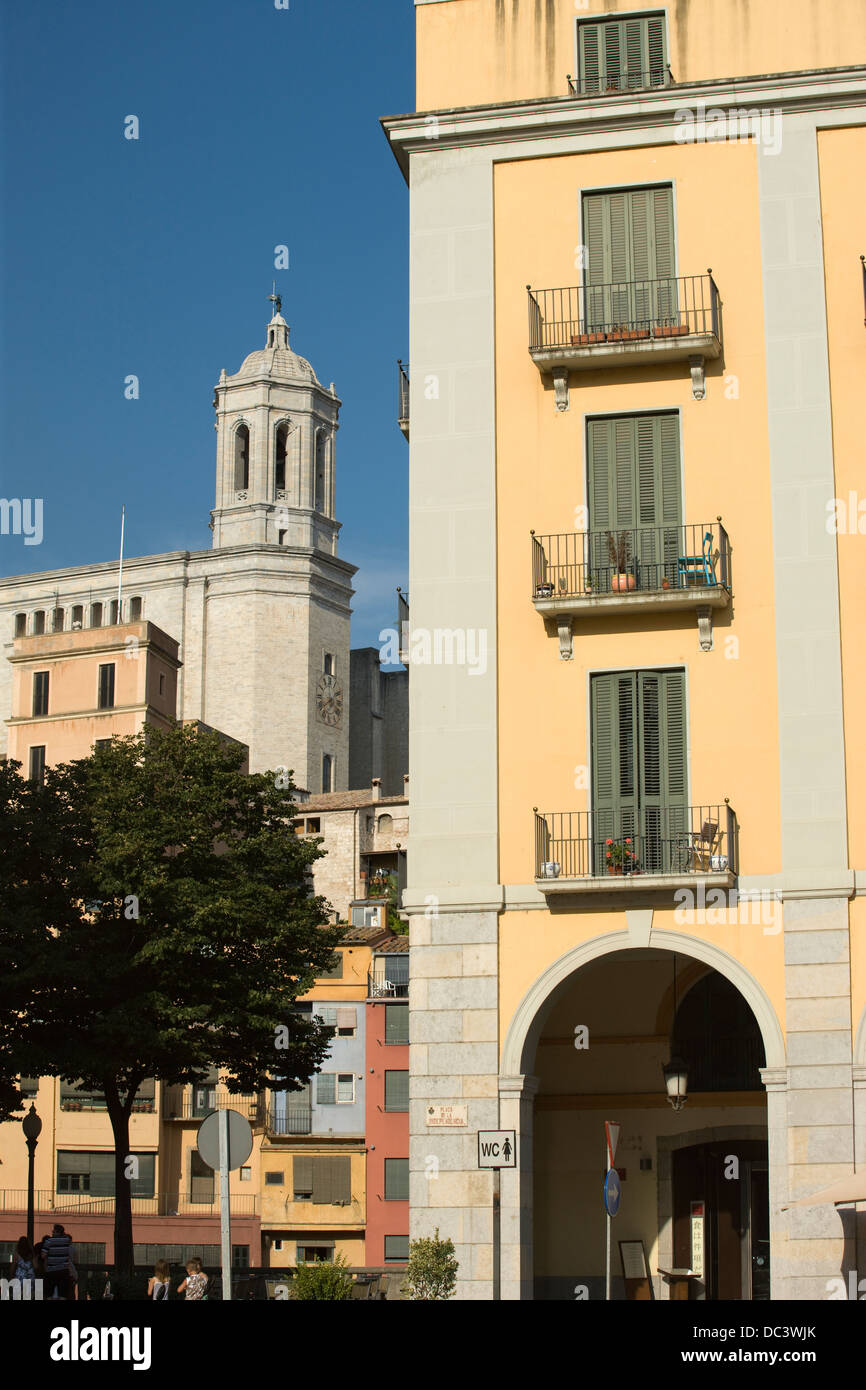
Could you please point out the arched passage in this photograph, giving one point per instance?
(557, 1088)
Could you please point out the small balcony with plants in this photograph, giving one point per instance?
(637, 848)
(644, 569)
(623, 324)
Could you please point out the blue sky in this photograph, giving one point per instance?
(258, 127)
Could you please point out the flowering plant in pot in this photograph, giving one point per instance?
(618, 549)
(619, 855)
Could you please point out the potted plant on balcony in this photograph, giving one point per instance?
(622, 580)
(619, 856)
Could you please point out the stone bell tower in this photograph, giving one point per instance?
(276, 433)
(271, 614)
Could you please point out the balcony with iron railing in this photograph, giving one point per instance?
(382, 986)
(647, 847)
(196, 1102)
(615, 83)
(403, 397)
(205, 1203)
(644, 569)
(627, 322)
(295, 1119)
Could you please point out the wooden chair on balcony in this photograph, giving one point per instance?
(704, 846)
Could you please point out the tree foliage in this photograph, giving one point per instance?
(157, 920)
(431, 1273)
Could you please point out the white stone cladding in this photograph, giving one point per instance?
(252, 622)
(256, 615)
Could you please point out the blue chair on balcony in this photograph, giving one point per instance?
(700, 569)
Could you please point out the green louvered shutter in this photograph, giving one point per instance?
(630, 260)
(302, 1178)
(635, 485)
(326, 1088)
(657, 449)
(614, 767)
(622, 55)
(396, 1023)
(662, 768)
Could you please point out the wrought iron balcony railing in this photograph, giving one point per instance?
(636, 843)
(380, 987)
(615, 82)
(294, 1119)
(625, 313)
(179, 1104)
(93, 1204)
(403, 397)
(581, 565)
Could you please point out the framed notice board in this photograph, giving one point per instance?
(635, 1272)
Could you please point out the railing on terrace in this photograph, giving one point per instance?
(403, 395)
(642, 841)
(625, 311)
(380, 987)
(647, 559)
(91, 1204)
(185, 1107)
(293, 1120)
(614, 82)
(145, 1105)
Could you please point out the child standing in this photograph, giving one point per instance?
(196, 1282)
(159, 1282)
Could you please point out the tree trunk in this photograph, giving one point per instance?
(118, 1113)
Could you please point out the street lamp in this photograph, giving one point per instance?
(32, 1127)
(676, 1073)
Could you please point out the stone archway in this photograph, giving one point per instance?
(518, 1086)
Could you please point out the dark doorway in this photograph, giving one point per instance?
(722, 1218)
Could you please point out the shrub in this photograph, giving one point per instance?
(325, 1280)
(432, 1269)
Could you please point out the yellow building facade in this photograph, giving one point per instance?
(637, 346)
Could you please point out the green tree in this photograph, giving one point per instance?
(176, 931)
(432, 1269)
(326, 1279)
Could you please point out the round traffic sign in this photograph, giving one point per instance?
(612, 1192)
(240, 1139)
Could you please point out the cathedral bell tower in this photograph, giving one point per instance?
(276, 434)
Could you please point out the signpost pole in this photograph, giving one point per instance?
(606, 1231)
(497, 1211)
(225, 1212)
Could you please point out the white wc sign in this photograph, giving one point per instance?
(497, 1148)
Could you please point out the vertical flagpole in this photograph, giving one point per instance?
(120, 572)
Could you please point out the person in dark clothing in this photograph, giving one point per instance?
(58, 1254)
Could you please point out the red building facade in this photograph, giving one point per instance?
(387, 1105)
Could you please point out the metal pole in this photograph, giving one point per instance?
(31, 1155)
(497, 1211)
(120, 571)
(225, 1216)
(606, 1230)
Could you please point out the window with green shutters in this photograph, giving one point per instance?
(396, 1179)
(396, 1250)
(629, 280)
(396, 1024)
(635, 486)
(93, 1172)
(396, 1090)
(639, 774)
(332, 1181)
(622, 54)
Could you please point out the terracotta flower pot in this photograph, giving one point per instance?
(581, 339)
(621, 583)
(613, 869)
